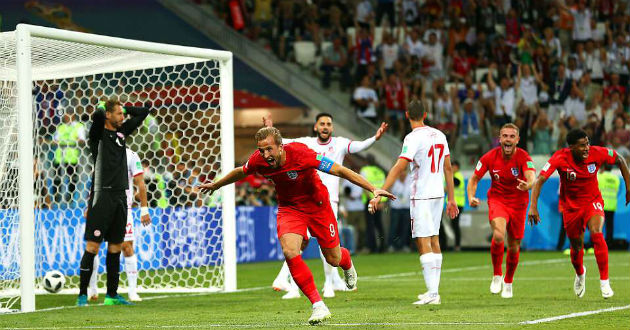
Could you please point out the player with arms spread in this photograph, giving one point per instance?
(107, 207)
(303, 204)
(581, 201)
(513, 174)
(425, 151)
(335, 148)
(135, 177)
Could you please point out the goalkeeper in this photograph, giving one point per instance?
(107, 206)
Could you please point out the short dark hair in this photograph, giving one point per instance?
(416, 110)
(111, 104)
(512, 126)
(323, 114)
(574, 135)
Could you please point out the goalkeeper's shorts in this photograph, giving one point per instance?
(106, 217)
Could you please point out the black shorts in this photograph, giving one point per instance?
(106, 217)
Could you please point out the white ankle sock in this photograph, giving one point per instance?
(131, 268)
(428, 263)
(438, 270)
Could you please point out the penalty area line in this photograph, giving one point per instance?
(573, 315)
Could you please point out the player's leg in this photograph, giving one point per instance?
(86, 268)
(337, 283)
(595, 226)
(131, 269)
(515, 229)
(498, 226)
(423, 230)
(93, 286)
(115, 238)
(437, 206)
(96, 226)
(574, 227)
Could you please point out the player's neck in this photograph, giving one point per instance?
(283, 158)
(416, 124)
(320, 141)
(109, 126)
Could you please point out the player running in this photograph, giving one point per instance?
(135, 176)
(513, 174)
(581, 202)
(303, 204)
(335, 148)
(426, 151)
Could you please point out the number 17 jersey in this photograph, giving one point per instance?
(425, 148)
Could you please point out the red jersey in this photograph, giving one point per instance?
(395, 96)
(504, 174)
(578, 180)
(297, 182)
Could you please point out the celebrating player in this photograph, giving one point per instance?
(426, 151)
(107, 209)
(581, 201)
(334, 148)
(512, 172)
(303, 204)
(135, 176)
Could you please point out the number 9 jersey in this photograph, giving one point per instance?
(425, 148)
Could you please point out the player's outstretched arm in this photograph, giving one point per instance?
(451, 205)
(530, 178)
(358, 146)
(471, 189)
(357, 179)
(533, 217)
(392, 176)
(623, 166)
(137, 114)
(138, 181)
(234, 175)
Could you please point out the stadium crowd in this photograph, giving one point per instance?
(548, 65)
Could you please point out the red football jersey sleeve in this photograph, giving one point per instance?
(551, 165)
(604, 155)
(482, 166)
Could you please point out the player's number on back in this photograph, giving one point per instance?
(432, 153)
(598, 206)
(332, 230)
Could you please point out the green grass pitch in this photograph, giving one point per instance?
(388, 285)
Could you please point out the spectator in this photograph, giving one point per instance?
(433, 59)
(559, 90)
(582, 21)
(573, 71)
(386, 7)
(527, 84)
(512, 28)
(618, 57)
(574, 105)
(614, 86)
(504, 98)
(594, 60)
(410, 12)
(619, 137)
(485, 17)
(462, 63)
(462, 93)
(335, 58)
(389, 52)
(470, 123)
(396, 99)
(552, 46)
(364, 14)
(366, 100)
(375, 233)
(460, 199)
(352, 199)
(400, 223)
(541, 133)
(413, 44)
(363, 51)
(444, 117)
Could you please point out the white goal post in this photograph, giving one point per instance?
(191, 91)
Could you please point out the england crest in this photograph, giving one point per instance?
(515, 171)
(592, 168)
(292, 175)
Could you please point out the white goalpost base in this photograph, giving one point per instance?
(50, 78)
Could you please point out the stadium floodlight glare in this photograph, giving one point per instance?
(49, 75)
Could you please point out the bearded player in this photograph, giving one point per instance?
(581, 202)
(303, 204)
(335, 148)
(513, 174)
(425, 151)
(135, 175)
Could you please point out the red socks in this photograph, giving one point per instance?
(577, 259)
(601, 254)
(346, 261)
(303, 278)
(496, 252)
(510, 265)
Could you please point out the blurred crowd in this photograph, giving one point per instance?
(546, 65)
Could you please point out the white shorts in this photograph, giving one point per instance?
(426, 217)
(129, 232)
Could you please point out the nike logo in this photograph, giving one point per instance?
(118, 142)
(496, 171)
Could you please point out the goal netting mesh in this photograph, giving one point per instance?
(179, 145)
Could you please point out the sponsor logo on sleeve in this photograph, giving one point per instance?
(319, 157)
(138, 166)
(405, 148)
(546, 167)
(478, 167)
(610, 152)
(530, 164)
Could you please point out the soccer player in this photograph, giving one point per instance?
(581, 202)
(303, 204)
(135, 176)
(426, 151)
(335, 148)
(107, 209)
(513, 174)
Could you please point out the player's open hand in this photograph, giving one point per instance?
(383, 193)
(451, 209)
(533, 218)
(267, 122)
(474, 202)
(373, 205)
(381, 130)
(522, 185)
(207, 187)
(145, 220)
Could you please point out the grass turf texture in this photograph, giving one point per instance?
(388, 285)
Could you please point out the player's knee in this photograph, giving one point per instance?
(333, 260)
(290, 253)
(498, 237)
(127, 250)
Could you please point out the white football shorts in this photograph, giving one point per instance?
(426, 217)
(129, 230)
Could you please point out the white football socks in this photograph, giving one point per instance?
(427, 261)
(438, 270)
(94, 277)
(284, 273)
(131, 268)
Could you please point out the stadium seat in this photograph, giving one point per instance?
(304, 53)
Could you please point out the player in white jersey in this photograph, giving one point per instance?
(335, 148)
(135, 175)
(426, 151)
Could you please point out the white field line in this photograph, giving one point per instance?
(488, 278)
(572, 315)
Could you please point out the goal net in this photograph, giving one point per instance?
(50, 83)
